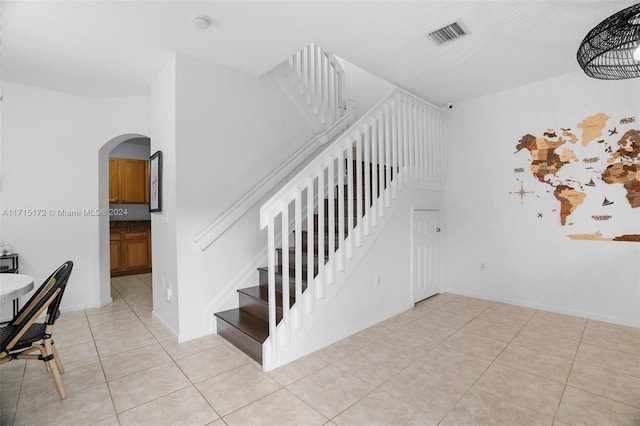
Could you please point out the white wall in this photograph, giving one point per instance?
(529, 260)
(50, 161)
(137, 149)
(221, 131)
(364, 88)
(163, 224)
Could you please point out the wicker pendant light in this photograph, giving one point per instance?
(607, 52)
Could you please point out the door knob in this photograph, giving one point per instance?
(438, 229)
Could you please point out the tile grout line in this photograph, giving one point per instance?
(566, 383)
(489, 366)
(379, 387)
(93, 340)
(145, 369)
(15, 408)
(173, 360)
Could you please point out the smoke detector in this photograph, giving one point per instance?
(202, 22)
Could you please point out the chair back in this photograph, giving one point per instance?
(62, 276)
(48, 296)
(64, 269)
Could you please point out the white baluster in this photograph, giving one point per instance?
(316, 71)
(332, 93)
(427, 143)
(399, 142)
(394, 148)
(303, 66)
(416, 141)
(308, 61)
(406, 135)
(442, 158)
(284, 264)
(299, 65)
(310, 247)
(387, 156)
(433, 147)
(320, 290)
(359, 190)
(297, 319)
(381, 171)
(271, 290)
(325, 85)
(341, 210)
(343, 100)
(421, 166)
(350, 197)
(376, 171)
(331, 225)
(367, 179)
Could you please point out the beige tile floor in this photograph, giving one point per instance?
(451, 360)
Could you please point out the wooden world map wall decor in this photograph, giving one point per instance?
(607, 154)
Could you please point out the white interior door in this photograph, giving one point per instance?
(426, 254)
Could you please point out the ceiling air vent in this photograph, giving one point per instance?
(448, 33)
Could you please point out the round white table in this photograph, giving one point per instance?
(12, 286)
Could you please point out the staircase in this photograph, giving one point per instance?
(247, 327)
(322, 222)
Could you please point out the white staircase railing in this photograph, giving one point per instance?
(400, 139)
(317, 79)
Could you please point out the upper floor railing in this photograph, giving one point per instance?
(321, 74)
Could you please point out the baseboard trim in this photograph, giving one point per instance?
(545, 307)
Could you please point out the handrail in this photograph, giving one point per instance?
(216, 229)
(398, 139)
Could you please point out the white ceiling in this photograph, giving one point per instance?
(115, 48)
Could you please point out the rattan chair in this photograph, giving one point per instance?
(23, 337)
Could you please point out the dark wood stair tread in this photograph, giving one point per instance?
(264, 274)
(265, 270)
(261, 293)
(249, 325)
(292, 251)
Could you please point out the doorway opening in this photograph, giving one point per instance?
(130, 220)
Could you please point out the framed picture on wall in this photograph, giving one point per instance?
(155, 182)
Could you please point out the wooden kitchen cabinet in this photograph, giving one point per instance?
(128, 181)
(130, 252)
(113, 180)
(115, 251)
(136, 250)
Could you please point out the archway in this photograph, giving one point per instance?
(103, 203)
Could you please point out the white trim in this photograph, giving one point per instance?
(163, 322)
(544, 307)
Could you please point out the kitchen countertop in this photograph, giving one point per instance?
(129, 225)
